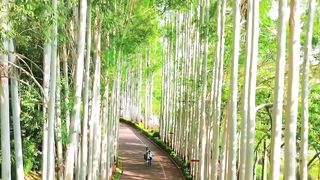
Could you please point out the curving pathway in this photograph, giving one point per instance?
(132, 146)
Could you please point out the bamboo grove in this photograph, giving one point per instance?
(80, 51)
(235, 85)
(212, 125)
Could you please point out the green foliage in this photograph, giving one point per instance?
(118, 169)
(314, 124)
(167, 5)
(316, 28)
(133, 29)
(31, 155)
(29, 17)
(31, 127)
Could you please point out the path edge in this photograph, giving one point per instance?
(183, 169)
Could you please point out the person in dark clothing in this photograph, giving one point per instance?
(148, 156)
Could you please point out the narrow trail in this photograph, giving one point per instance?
(132, 146)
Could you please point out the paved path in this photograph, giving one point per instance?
(131, 149)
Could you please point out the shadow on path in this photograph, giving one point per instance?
(132, 146)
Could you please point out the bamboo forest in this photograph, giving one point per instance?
(160, 89)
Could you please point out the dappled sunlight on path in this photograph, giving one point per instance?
(132, 146)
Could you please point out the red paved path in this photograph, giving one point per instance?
(131, 149)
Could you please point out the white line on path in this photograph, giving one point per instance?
(165, 176)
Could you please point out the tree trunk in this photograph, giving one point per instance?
(5, 128)
(252, 93)
(84, 148)
(96, 102)
(203, 125)
(293, 90)
(58, 124)
(255, 165)
(217, 77)
(140, 87)
(66, 85)
(245, 99)
(163, 82)
(75, 117)
(46, 80)
(105, 137)
(52, 97)
(232, 156)
(305, 93)
(15, 104)
(4, 101)
(265, 161)
(279, 92)
(224, 144)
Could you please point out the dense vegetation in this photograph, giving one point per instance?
(234, 84)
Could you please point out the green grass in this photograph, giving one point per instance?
(118, 170)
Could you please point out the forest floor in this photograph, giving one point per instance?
(132, 146)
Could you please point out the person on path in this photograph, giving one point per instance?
(148, 156)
